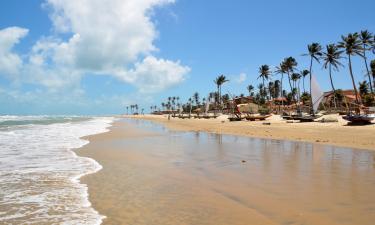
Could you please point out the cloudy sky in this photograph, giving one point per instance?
(95, 56)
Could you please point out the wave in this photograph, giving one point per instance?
(39, 172)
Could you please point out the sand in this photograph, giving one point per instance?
(178, 178)
(137, 188)
(336, 133)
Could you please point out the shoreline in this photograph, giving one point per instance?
(143, 177)
(334, 134)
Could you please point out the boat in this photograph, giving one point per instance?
(307, 118)
(235, 118)
(256, 117)
(317, 96)
(209, 116)
(184, 116)
(359, 119)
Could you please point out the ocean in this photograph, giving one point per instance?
(39, 171)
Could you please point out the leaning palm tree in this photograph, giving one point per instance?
(352, 47)
(304, 73)
(314, 51)
(219, 81)
(366, 41)
(264, 74)
(331, 58)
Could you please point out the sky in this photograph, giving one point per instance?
(94, 57)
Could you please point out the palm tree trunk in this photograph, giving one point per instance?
(353, 82)
(333, 87)
(218, 95)
(282, 97)
(299, 89)
(290, 83)
(311, 101)
(221, 108)
(299, 94)
(303, 84)
(368, 72)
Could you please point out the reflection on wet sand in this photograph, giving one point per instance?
(154, 176)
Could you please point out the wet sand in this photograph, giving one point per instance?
(337, 134)
(155, 176)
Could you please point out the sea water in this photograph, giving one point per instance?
(39, 172)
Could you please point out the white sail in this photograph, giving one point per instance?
(316, 93)
(207, 105)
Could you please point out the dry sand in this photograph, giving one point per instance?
(336, 133)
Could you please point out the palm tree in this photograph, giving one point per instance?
(262, 93)
(277, 88)
(290, 64)
(331, 58)
(352, 47)
(219, 81)
(366, 40)
(372, 66)
(173, 102)
(264, 73)
(190, 105)
(314, 51)
(363, 88)
(295, 78)
(304, 73)
(250, 88)
(271, 89)
(196, 99)
(282, 69)
(178, 100)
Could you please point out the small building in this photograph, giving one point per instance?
(348, 97)
(243, 100)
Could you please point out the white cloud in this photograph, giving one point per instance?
(10, 62)
(241, 78)
(112, 37)
(152, 74)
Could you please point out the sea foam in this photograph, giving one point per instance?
(39, 172)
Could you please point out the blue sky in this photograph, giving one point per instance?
(87, 58)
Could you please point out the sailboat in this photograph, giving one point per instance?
(358, 118)
(316, 97)
(207, 107)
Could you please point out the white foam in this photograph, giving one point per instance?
(39, 173)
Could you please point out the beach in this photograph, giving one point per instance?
(336, 133)
(154, 174)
